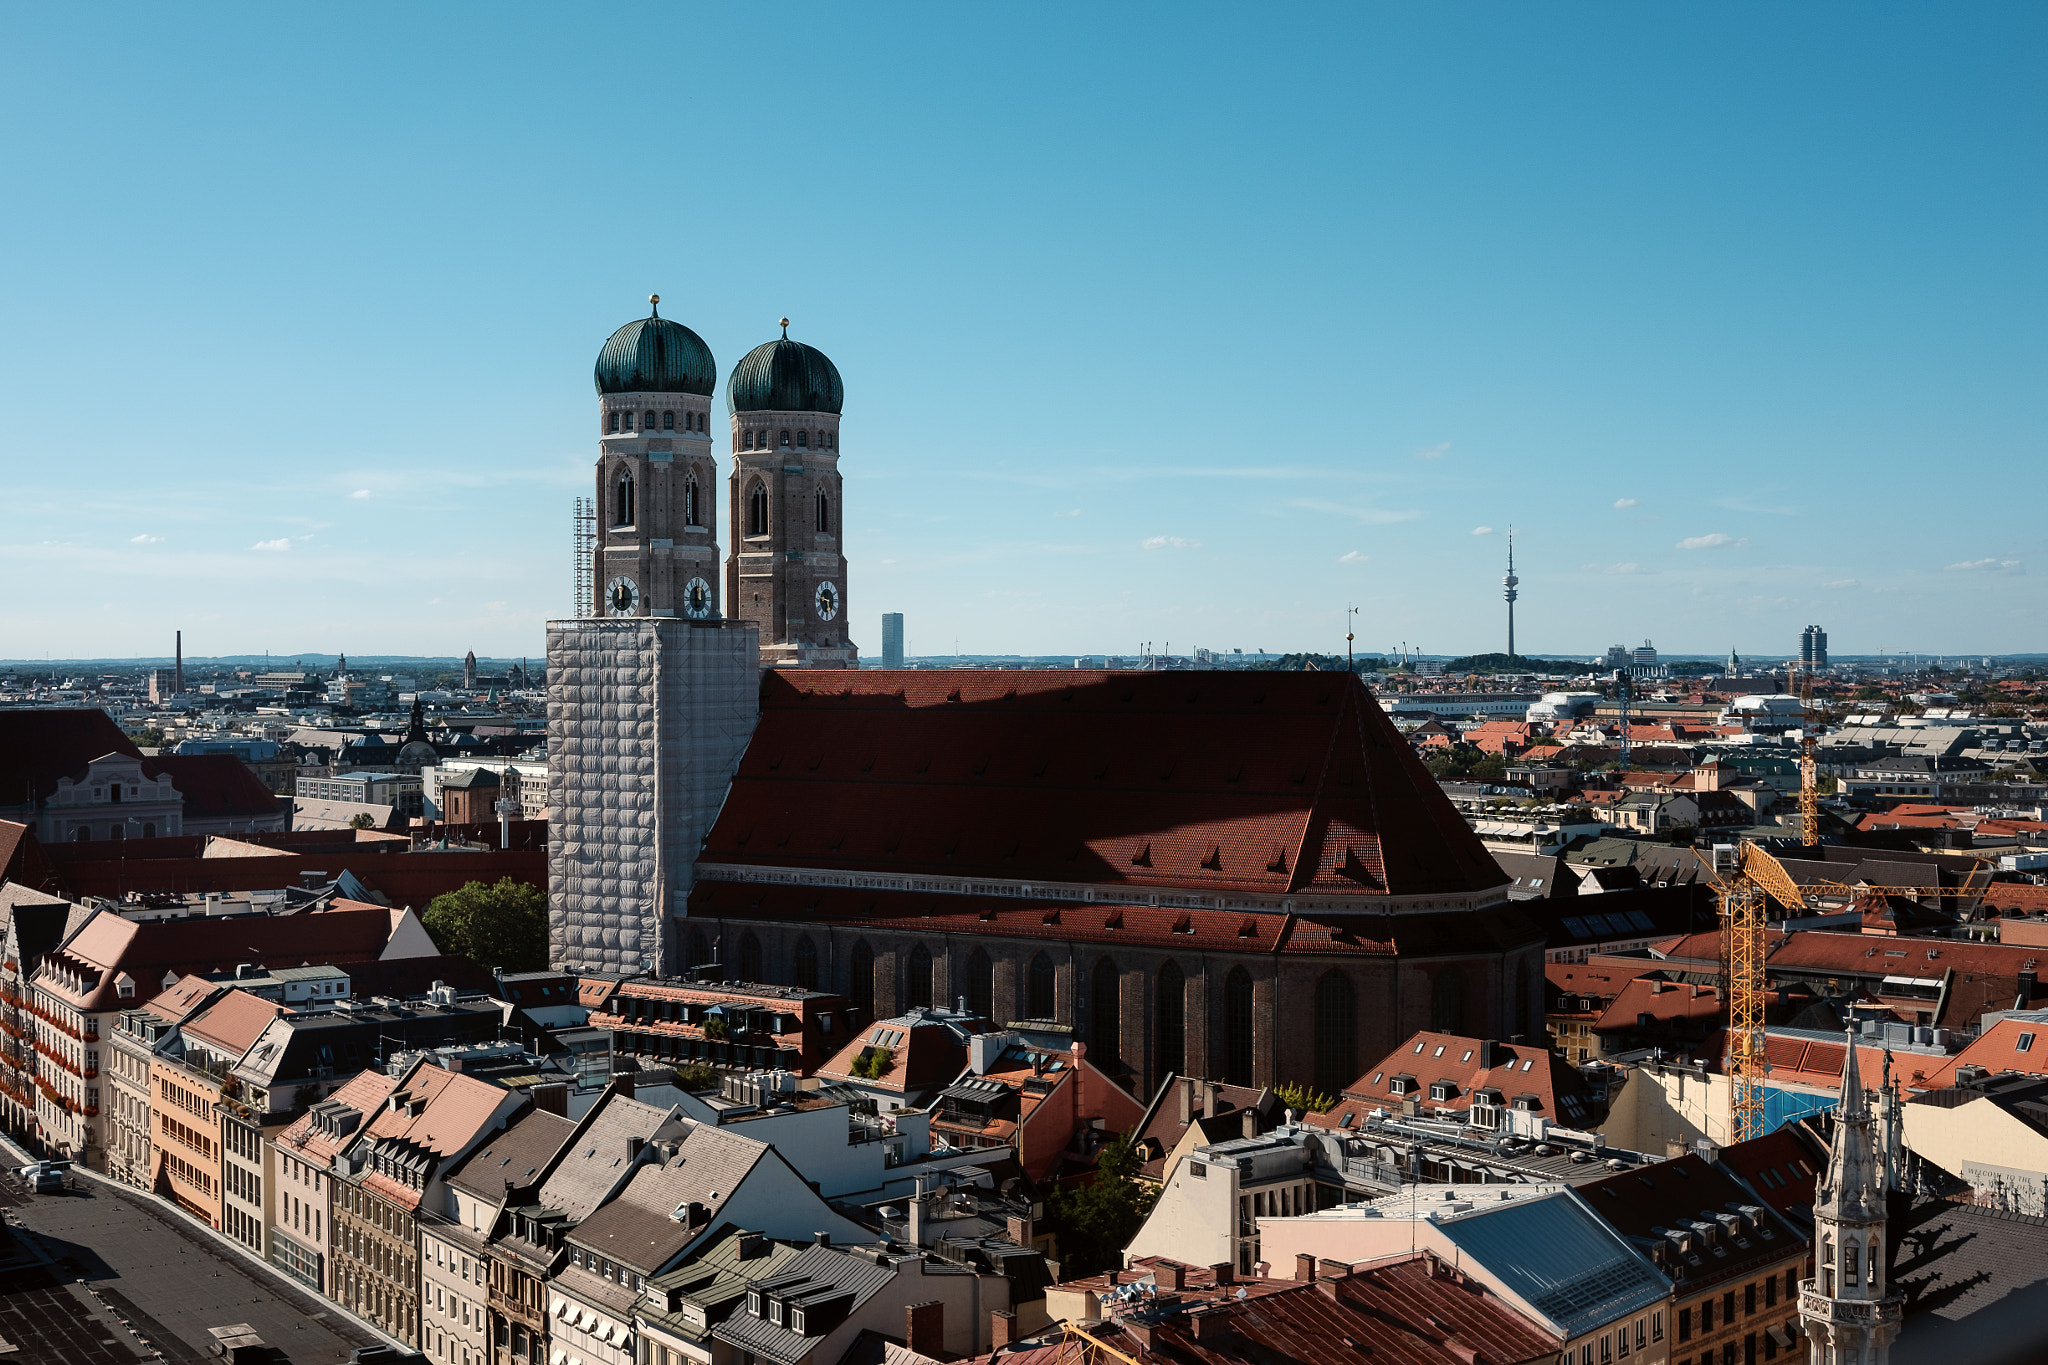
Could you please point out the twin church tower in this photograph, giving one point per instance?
(653, 695)
(657, 548)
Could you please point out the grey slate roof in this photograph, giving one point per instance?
(593, 1165)
(819, 1271)
(635, 1227)
(715, 1280)
(512, 1157)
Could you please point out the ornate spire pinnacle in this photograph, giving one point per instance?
(785, 329)
(654, 305)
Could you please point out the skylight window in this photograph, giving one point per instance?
(2025, 1044)
(1439, 1051)
(1466, 1058)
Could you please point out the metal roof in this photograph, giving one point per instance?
(785, 376)
(1559, 1257)
(655, 355)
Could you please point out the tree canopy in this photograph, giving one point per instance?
(1096, 1219)
(503, 926)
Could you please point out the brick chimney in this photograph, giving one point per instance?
(1251, 1122)
(1169, 1274)
(1210, 1324)
(1304, 1266)
(924, 1328)
(1208, 1099)
(1002, 1328)
(552, 1098)
(1223, 1272)
(1186, 1086)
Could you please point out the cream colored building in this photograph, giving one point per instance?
(1209, 1210)
(1972, 1133)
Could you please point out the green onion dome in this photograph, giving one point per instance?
(785, 376)
(654, 355)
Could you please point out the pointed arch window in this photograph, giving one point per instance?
(690, 501)
(918, 977)
(860, 983)
(1105, 1009)
(824, 513)
(1336, 1032)
(1447, 1001)
(699, 953)
(803, 440)
(622, 500)
(981, 985)
(612, 423)
(1519, 1029)
(747, 440)
(1169, 1023)
(668, 421)
(1237, 1027)
(757, 510)
(785, 440)
(750, 958)
(805, 962)
(647, 423)
(1039, 1002)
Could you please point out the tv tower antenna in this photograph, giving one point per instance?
(1508, 586)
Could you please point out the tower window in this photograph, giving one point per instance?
(668, 421)
(803, 439)
(622, 501)
(647, 423)
(613, 423)
(785, 439)
(757, 511)
(824, 514)
(690, 501)
(747, 441)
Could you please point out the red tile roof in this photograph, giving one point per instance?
(231, 1023)
(1779, 1166)
(1281, 783)
(214, 786)
(1997, 1049)
(1426, 1059)
(1663, 1001)
(452, 1109)
(38, 747)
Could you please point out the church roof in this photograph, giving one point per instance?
(655, 355)
(785, 376)
(1254, 782)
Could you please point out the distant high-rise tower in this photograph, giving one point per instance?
(469, 671)
(1813, 648)
(1850, 1312)
(892, 639)
(1508, 586)
(178, 683)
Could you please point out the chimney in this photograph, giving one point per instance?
(823, 1239)
(1169, 1274)
(552, 1098)
(622, 1081)
(1251, 1122)
(924, 1328)
(1020, 1230)
(1208, 1099)
(634, 1142)
(1487, 1058)
(1304, 1266)
(1186, 1086)
(1210, 1324)
(1223, 1273)
(1002, 1328)
(1140, 1332)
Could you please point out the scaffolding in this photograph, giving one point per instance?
(584, 535)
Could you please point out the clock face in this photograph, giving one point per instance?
(622, 596)
(697, 599)
(827, 601)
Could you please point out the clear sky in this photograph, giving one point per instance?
(1183, 324)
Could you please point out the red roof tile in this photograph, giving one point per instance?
(1259, 782)
(1427, 1059)
(38, 747)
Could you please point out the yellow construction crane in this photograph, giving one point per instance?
(1809, 791)
(1745, 876)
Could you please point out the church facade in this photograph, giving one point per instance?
(1240, 875)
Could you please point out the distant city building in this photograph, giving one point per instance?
(892, 639)
(1813, 648)
(469, 671)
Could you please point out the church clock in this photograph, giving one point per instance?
(827, 601)
(697, 599)
(622, 596)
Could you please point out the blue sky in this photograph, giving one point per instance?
(1189, 325)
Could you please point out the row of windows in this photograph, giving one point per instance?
(757, 511)
(652, 421)
(1750, 1297)
(187, 1172)
(82, 833)
(1643, 1333)
(753, 439)
(189, 1137)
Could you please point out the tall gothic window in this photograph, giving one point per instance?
(1105, 1011)
(805, 961)
(750, 958)
(699, 953)
(1038, 997)
(860, 985)
(785, 439)
(757, 510)
(690, 501)
(1520, 1028)
(612, 423)
(918, 982)
(1169, 1023)
(981, 985)
(622, 501)
(1237, 1027)
(803, 440)
(668, 421)
(1336, 1032)
(647, 423)
(1447, 1001)
(824, 514)
(747, 440)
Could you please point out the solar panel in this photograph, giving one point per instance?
(1641, 921)
(1575, 926)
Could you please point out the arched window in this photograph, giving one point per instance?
(690, 501)
(647, 423)
(1169, 1023)
(746, 440)
(750, 957)
(1237, 1027)
(668, 421)
(1105, 1009)
(824, 514)
(785, 439)
(805, 961)
(757, 510)
(860, 983)
(622, 501)
(918, 978)
(1038, 999)
(1336, 1032)
(625, 421)
(1519, 1029)
(700, 421)
(612, 422)
(699, 953)
(1447, 1001)
(803, 440)
(981, 985)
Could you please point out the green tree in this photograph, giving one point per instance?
(148, 737)
(1096, 1219)
(503, 926)
(1302, 1100)
(695, 1076)
(361, 820)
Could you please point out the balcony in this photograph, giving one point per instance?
(59, 1058)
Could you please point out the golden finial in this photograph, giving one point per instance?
(785, 329)
(654, 302)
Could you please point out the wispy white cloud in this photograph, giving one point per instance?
(1352, 557)
(280, 544)
(360, 493)
(1070, 512)
(1371, 516)
(1631, 567)
(1625, 503)
(1435, 452)
(145, 539)
(1843, 583)
(1712, 541)
(1168, 543)
(1746, 505)
(1482, 530)
(1992, 565)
